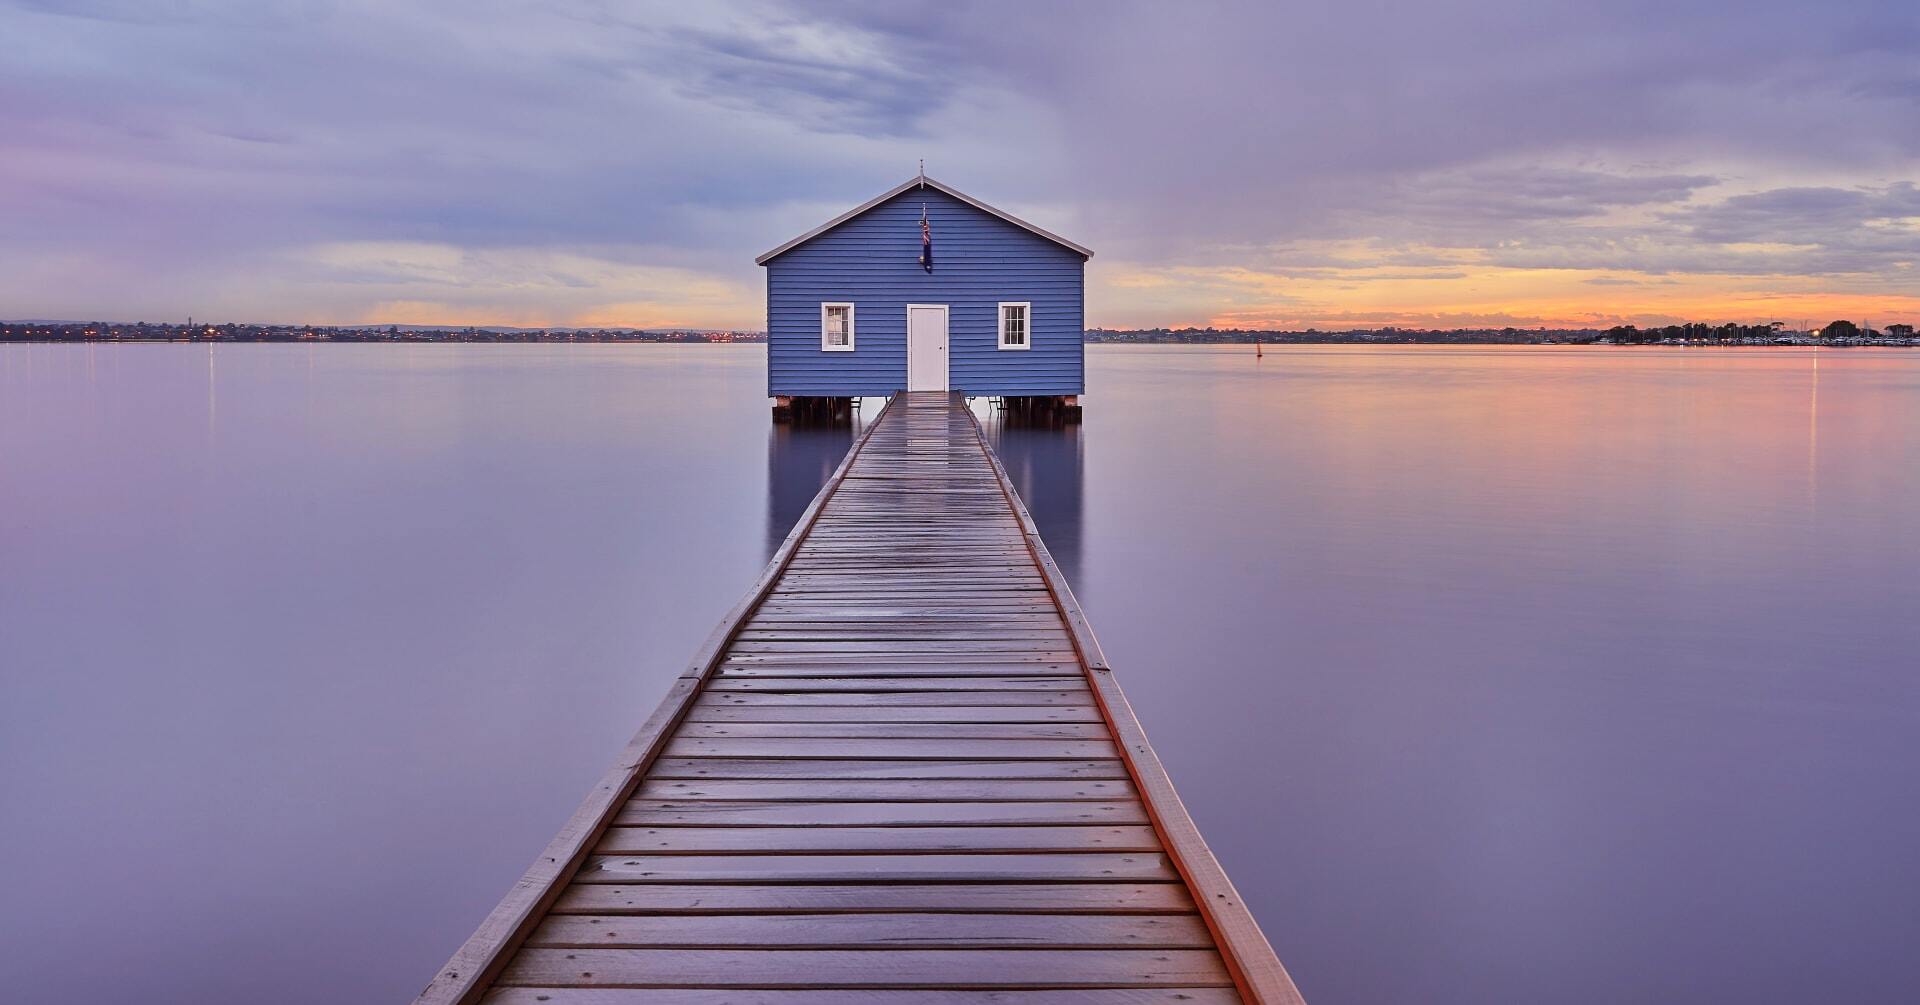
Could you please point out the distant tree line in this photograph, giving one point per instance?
(1696, 333)
(1834, 331)
(1314, 336)
(141, 331)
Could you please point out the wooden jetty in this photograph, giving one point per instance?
(900, 770)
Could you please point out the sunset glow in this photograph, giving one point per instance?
(1473, 296)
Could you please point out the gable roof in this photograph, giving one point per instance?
(912, 183)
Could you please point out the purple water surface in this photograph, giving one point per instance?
(1491, 675)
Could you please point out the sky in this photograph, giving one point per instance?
(1344, 164)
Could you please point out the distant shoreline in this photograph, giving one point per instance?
(90, 333)
(108, 331)
(1912, 343)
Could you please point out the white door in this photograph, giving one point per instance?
(926, 347)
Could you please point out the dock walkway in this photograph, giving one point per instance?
(900, 770)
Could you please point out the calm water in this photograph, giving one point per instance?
(1536, 675)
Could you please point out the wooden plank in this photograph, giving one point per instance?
(908, 630)
(903, 588)
(899, 730)
(885, 968)
(936, 603)
(897, 615)
(864, 700)
(1001, 546)
(1054, 644)
(1001, 898)
(877, 931)
(1038, 682)
(876, 660)
(885, 790)
(895, 748)
(911, 579)
(744, 812)
(898, 606)
(855, 996)
(1006, 624)
(1011, 867)
(838, 840)
(941, 556)
(888, 554)
(902, 593)
(908, 634)
(873, 579)
(783, 767)
(1067, 673)
(969, 567)
(950, 713)
(879, 520)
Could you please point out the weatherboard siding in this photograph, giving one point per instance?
(873, 261)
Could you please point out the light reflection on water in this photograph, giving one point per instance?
(1531, 675)
(1491, 674)
(800, 459)
(1046, 465)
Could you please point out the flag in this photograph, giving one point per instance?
(926, 240)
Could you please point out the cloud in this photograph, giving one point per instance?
(1885, 218)
(530, 285)
(1474, 197)
(829, 78)
(1868, 232)
(1352, 146)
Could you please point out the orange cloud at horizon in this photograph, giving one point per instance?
(1471, 295)
(636, 315)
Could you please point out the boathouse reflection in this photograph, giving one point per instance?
(801, 457)
(1044, 459)
(1045, 462)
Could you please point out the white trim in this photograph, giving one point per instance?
(946, 321)
(1000, 324)
(824, 345)
(902, 187)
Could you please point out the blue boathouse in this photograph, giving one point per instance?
(925, 288)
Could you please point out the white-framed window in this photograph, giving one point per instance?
(1016, 326)
(836, 327)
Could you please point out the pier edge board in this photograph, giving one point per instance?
(1256, 969)
(471, 971)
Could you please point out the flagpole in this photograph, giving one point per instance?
(926, 235)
